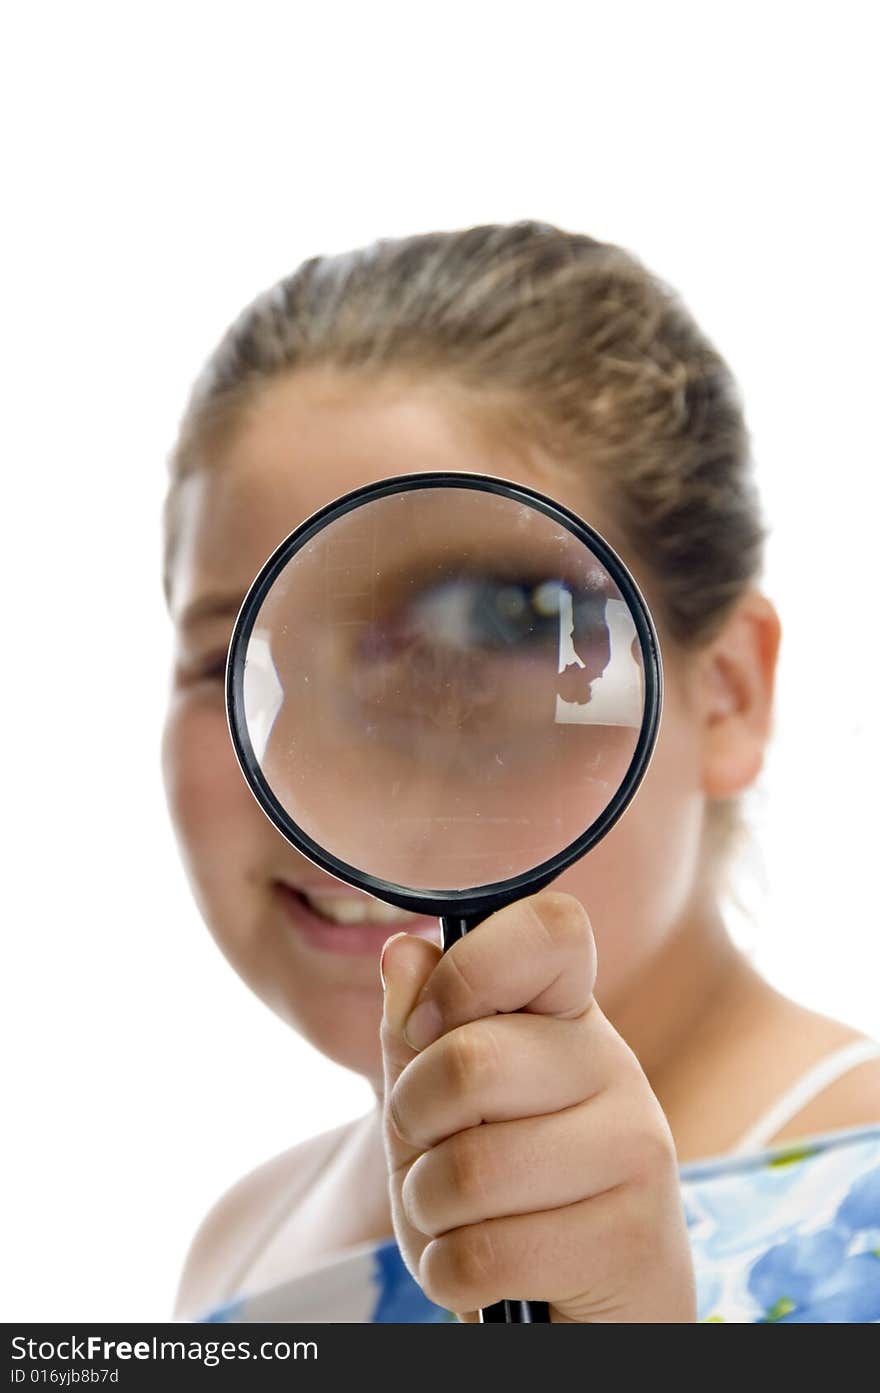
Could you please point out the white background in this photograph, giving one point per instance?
(162, 165)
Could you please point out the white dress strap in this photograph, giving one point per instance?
(804, 1090)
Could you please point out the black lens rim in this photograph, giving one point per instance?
(483, 899)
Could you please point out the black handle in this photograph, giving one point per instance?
(452, 928)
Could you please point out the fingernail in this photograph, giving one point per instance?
(385, 947)
(423, 1026)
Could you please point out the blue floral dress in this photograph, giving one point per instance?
(788, 1234)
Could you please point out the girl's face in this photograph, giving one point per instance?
(311, 438)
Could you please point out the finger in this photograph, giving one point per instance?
(405, 965)
(533, 1164)
(536, 955)
(506, 1067)
(593, 1260)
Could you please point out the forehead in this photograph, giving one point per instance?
(313, 437)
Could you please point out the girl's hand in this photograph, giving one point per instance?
(528, 1157)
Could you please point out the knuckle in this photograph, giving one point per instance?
(651, 1148)
(635, 1232)
(473, 1258)
(563, 919)
(415, 1197)
(472, 1058)
(619, 1068)
(387, 1038)
(626, 1063)
(459, 1270)
(398, 1113)
(456, 992)
(469, 1165)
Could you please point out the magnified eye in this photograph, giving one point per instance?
(489, 613)
(466, 613)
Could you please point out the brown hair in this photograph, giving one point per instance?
(558, 339)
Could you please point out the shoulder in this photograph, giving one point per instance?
(851, 1100)
(839, 1080)
(234, 1225)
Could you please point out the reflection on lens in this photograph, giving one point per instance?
(444, 689)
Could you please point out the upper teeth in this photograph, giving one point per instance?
(347, 910)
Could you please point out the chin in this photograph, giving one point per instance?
(343, 1026)
(358, 1050)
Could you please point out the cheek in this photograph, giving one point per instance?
(639, 881)
(207, 796)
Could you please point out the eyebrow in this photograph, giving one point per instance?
(210, 607)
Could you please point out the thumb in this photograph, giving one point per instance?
(404, 967)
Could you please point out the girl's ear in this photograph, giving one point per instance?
(735, 693)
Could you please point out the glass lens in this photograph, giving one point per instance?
(444, 688)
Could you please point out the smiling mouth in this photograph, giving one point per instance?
(349, 909)
(339, 907)
(336, 922)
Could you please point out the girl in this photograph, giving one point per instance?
(584, 1120)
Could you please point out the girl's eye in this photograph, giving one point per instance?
(485, 613)
(211, 670)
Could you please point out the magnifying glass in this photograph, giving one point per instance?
(443, 689)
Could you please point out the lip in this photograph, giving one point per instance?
(347, 939)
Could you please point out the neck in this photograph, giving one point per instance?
(695, 996)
